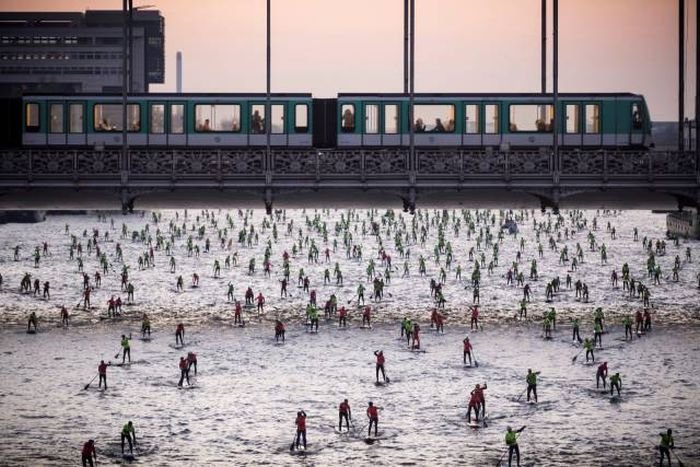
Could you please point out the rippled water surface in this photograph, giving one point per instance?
(242, 407)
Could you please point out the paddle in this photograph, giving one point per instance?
(521, 395)
(680, 462)
(117, 354)
(294, 439)
(88, 384)
(506, 451)
(476, 364)
(573, 360)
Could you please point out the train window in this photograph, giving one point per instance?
(277, 118)
(491, 119)
(177, 118)
(592, 118)
(217, 117)
(347, 112)
(471, 118)
(56, 118)
(108, 117)
(531, 118)
(391, 119)
(573, 123)
(157, 119)
(434, 118)
(301, 118)
(257, 119)
(371, 119)
(637, 118)
(75, 118)
(31, 118)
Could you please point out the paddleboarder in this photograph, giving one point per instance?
(126, 348)
(665, 446)
(301, 428)
(615, 383)
(102, 371)
(373, 416)
(344, 413)
(531, 379)
(512, 443)
(180, 334)
(467, 351)
(380, 364)
(602, 373)
(184, 372)
(129, 434)
(87, 454)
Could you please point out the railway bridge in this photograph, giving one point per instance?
(117, 178)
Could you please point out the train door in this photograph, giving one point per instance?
(492, 124)
(278, 119)
(56, 124)
(298, 128)
(636, 134)
(32, 132)
(156, 124)
(472, 125)
(76, 124)
(592, 134)
(370, 127)
(391, 135)
(176, 127)
(572, 128)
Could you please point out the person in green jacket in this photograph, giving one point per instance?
(126, 348)
(588, 345)
(512, 443)
(129, 434)
(312, 315)
(627, 321)
(615, 382)
(576, 335)
(408, 330)
(665, 445)
(598, 334)
(531, 379)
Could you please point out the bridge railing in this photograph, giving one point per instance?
(288, 166)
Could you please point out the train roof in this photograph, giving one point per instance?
(494, 94)
(255, 95)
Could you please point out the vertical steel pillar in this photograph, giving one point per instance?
(543, 51)
(681, 74)
(405, 46)
(131, 45)
(555, 83)
(412, 73)
(268, 116)
(125, 82)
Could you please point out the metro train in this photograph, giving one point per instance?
(357, 120)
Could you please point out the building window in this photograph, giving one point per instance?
(434, 118)
(31, 118)
(108, 117)
(471, 119)
(301, 118)
(573, 124)
(592, 118)
(277, 118)
(371, 119)
(257, 119)
(391, 119)
(157, 119)
(217, 117)
(491, 119)
(347, 118)
(531, 118)
(56, 118)
(75, 118)
(177, 118)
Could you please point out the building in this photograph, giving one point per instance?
(78, 52)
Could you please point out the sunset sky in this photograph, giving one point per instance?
(331, 46)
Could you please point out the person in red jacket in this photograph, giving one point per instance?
(366, 317)
(439, 323)
(467, 351)
(478, 393)
(475, 317)
(261, 302)
(416, 337)
(380, 364)
(102, 371)
(342, 317)
(344, 413)
(301, 428)
(237, 314)
(180, 334)
(184, 374)
(279, 331)
(373, 415)
(88, 453)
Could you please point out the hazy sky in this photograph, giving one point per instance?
(331, 46)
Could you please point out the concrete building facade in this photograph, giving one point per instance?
(78, 52)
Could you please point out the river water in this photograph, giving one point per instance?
(242, 407)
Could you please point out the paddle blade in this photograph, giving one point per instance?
(86, 387)
(388, 380)
(476, 364)
(573, 360)
(117, 355)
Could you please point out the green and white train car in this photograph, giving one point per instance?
(167, 120)
(615, 120)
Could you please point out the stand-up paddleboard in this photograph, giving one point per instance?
(31, 331)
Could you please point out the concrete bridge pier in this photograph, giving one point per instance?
(268, 201)
(409, 201)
